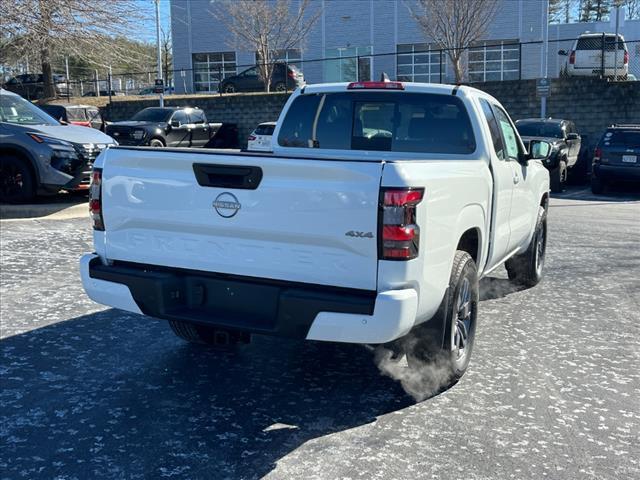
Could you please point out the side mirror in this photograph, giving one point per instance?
(572, 136)
(175, 123)
(562, 52)
(539, 150)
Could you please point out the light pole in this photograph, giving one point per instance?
(545, 56)
(159, 53)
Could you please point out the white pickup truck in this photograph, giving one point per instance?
(380, 207)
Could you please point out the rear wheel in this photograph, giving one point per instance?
(445, 363)
(17, 184)
(558, 177)
(280, 87)
(526, 269)
(204, 335)
(229, 88)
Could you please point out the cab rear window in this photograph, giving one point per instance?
(379, 121)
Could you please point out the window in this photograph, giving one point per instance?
(180, 117)
(252, 72)
(498, 144)
(497, 60)
(540, 129)
(210, 68)
(380, 121)
(595, 43)
(264, 129)
(419, 62)
(622, 138)
(348, 64)
(197, 117)
(508, 133)
(293, 56)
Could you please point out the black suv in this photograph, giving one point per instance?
(250, 81)
(31, 86)
(617, 157)
(565, 142)
(173, 127)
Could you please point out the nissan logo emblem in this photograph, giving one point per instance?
(226, 204)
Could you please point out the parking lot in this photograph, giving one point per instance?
(552, 391)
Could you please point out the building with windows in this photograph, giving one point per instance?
(360, 39)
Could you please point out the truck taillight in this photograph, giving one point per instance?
(399, 236)
(95, 199)
(626, 57)
(251, 138)
(572, 57)
(597, 155)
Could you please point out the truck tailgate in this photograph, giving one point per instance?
(309, 221)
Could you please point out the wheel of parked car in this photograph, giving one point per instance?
(558, 177)
(229, 88)
(203, 335)
(156, 142)
(280, 87)
(526, 269)
(16, 180)
(446, 363)
(598, 185)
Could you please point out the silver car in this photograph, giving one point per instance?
(39, 155)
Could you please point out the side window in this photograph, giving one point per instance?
(508, 133)
(498, 144)
(197, 117)
(180, 117)
(252, 72)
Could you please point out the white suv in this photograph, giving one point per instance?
(594, 52)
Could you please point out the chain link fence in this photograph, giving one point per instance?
(594, 55)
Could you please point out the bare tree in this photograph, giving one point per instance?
(167, 58)
(42, 28)
(268, 27)
(454, 25)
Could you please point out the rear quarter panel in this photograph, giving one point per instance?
(457, 198)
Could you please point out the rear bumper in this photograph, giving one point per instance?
(617, 172)
(254, 305)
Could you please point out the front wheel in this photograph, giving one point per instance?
(156, 143)
(17, 184)
(558, 177)
(526, 269)
(229, 88)
(280, 87)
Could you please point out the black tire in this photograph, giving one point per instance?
(203, 335)
(558, 177)
(280, 87)
(458, 315)
(598, 186)
(156, 143)
(229, 88)
(526, 269)
(17, 183)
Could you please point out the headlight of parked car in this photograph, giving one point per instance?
(138, 134)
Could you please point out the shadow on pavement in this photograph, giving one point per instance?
(115, 395)
(617, 192)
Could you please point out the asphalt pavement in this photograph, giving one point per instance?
(553, 390)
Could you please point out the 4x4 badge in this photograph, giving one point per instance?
(353, 233)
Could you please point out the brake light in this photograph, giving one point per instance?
(291, 74)
(375, 85)
(399, 236)
(251, 138)
(626, 57)
(572, 57)
(95, 199)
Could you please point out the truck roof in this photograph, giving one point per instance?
(408, 87)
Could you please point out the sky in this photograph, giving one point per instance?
(147, 32)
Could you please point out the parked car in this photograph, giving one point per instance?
(104, 93)
(167, 127)
(31, 86)
(617, 157)
(250, 81)
(260, 139)
(39, 155)
(83, 115)
(586, 56)
(565, 142)
(381, 206)
(148, 91)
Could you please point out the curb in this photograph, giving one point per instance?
(51, 211)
